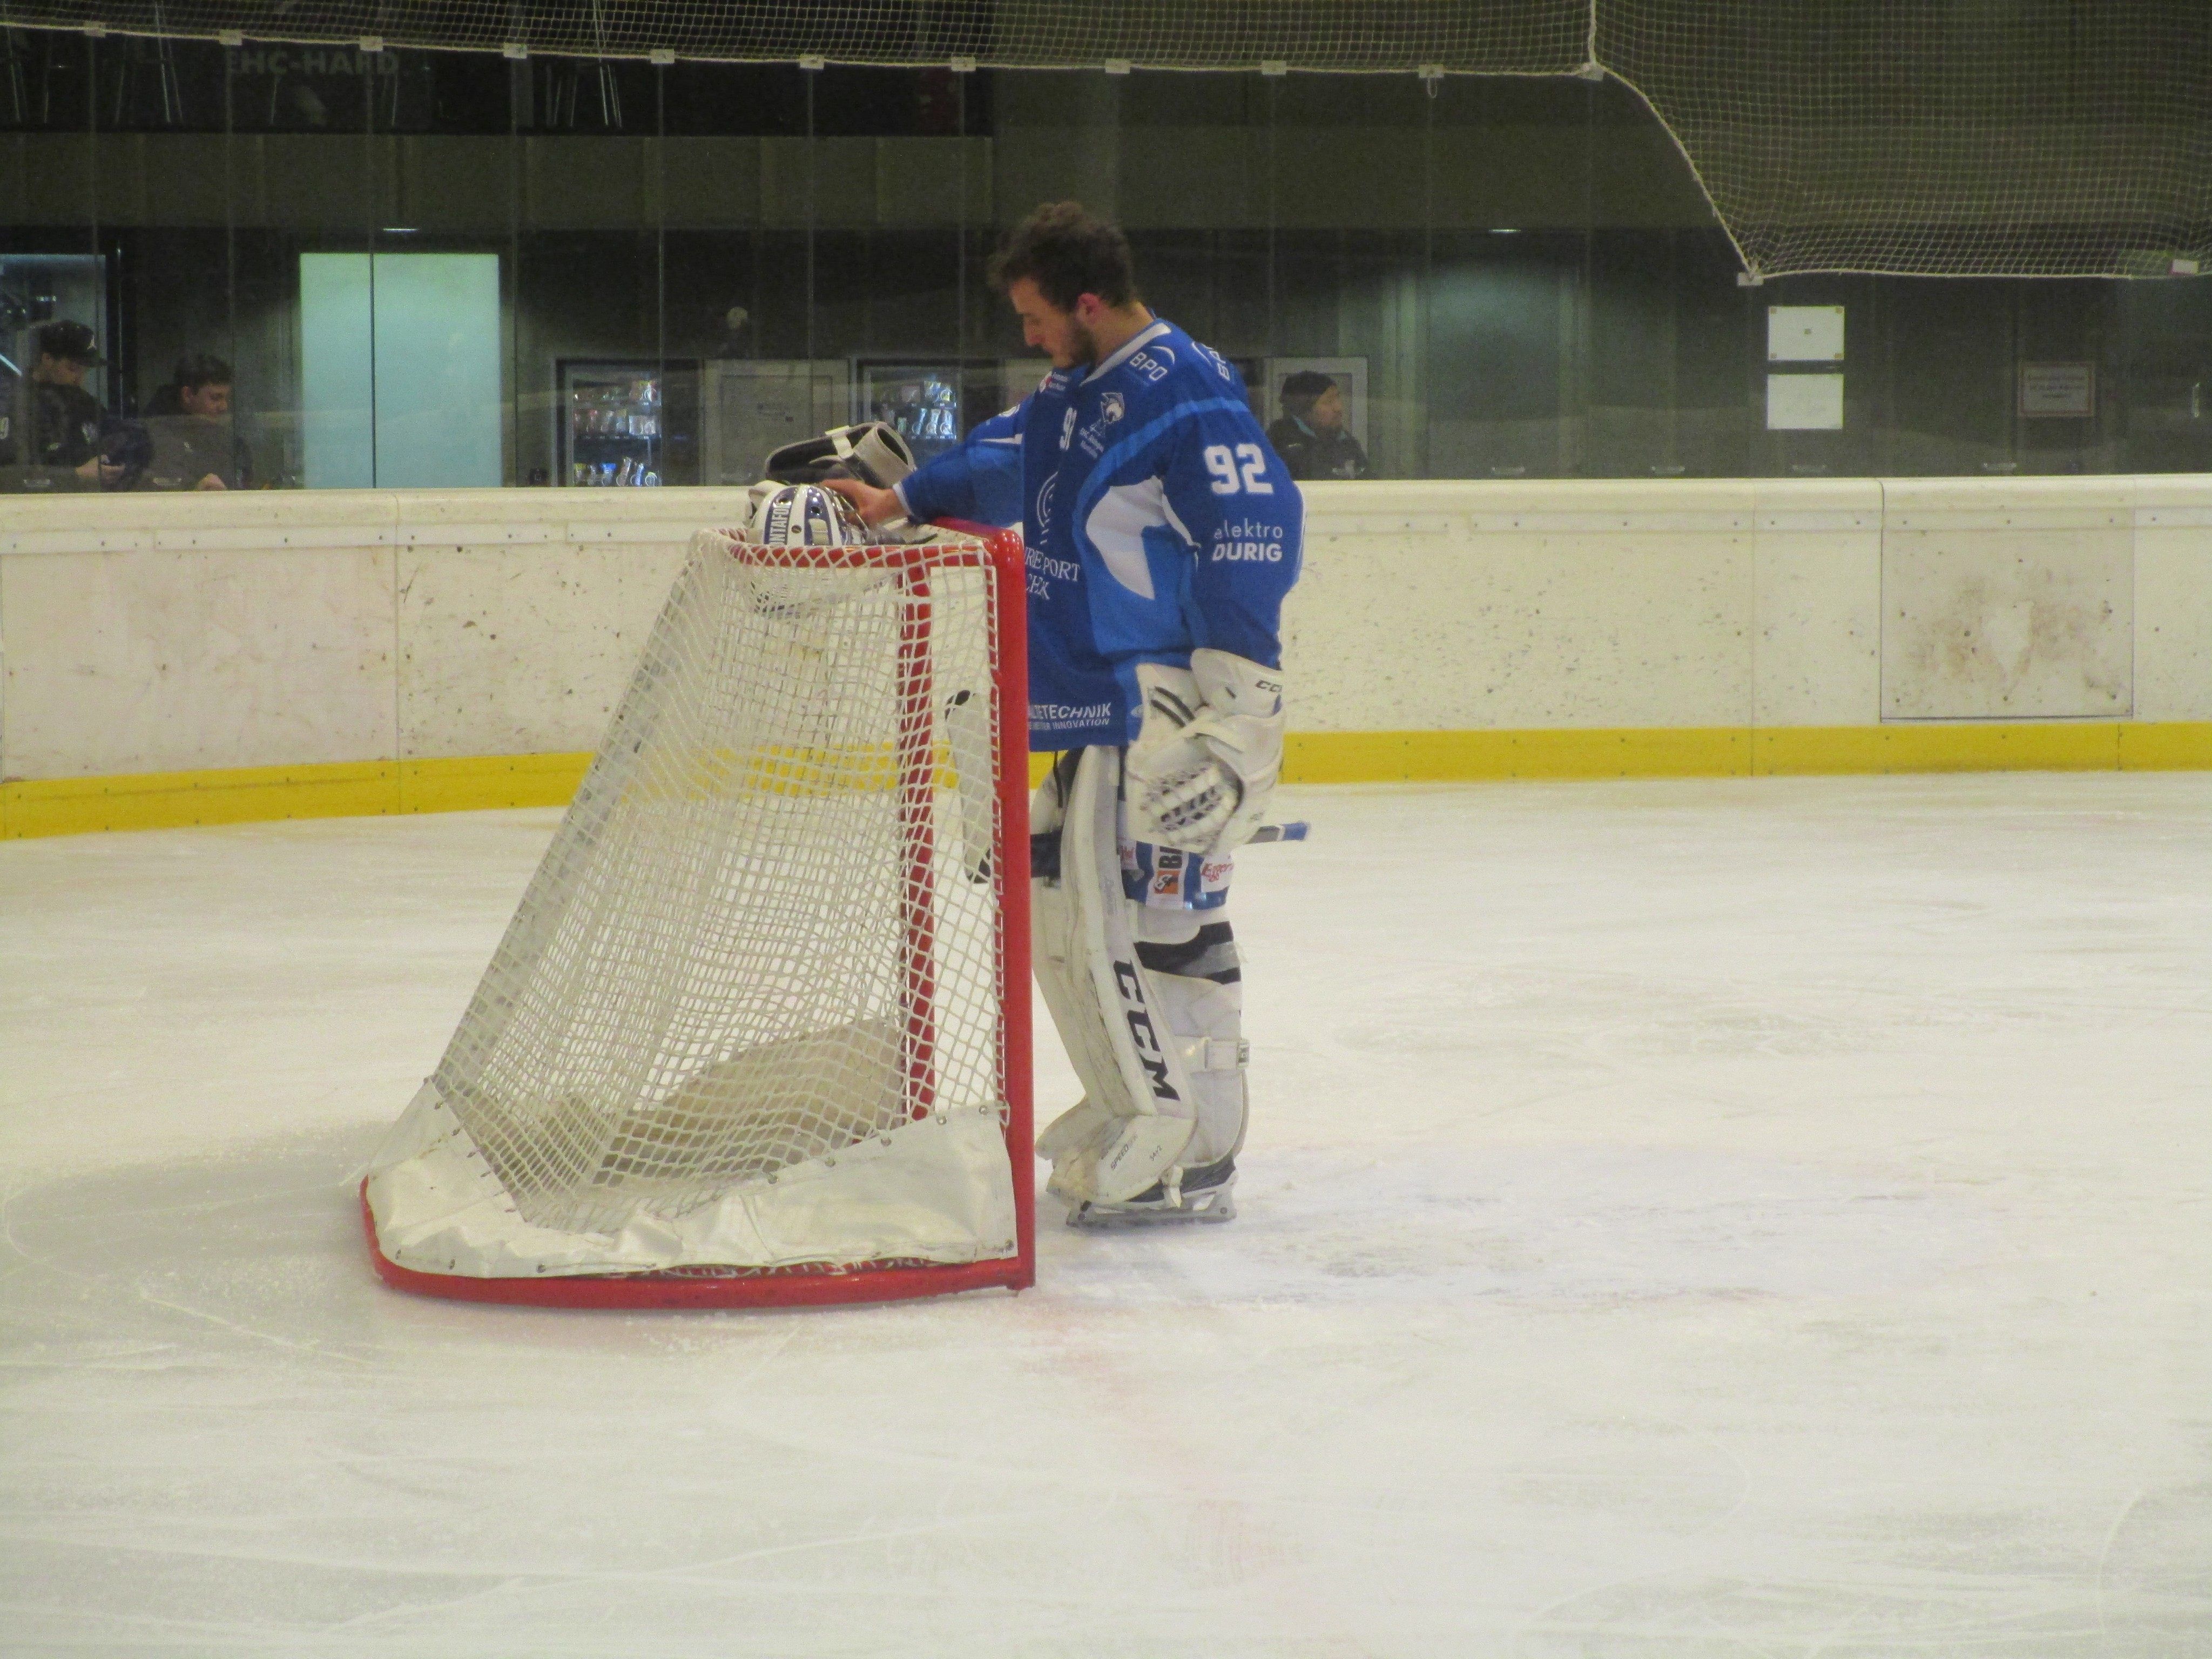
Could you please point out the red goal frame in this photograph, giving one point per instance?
(1000, 552)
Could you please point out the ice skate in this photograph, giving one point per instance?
(1205, 1193)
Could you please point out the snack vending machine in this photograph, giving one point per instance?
(627, 423)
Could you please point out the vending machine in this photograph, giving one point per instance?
(931, 404)
(627, 423)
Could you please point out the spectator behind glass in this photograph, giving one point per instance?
(1310, 435)
(66, 421)
(194, 447)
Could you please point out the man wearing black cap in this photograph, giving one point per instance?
(65, 419)
(1310, 437)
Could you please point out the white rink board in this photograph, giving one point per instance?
(2173, 612)
(1816, 658)
(1537, 608)
(521, 650)
(157, 659)
(2020, 607)
(1682, 1220)
(354, 625)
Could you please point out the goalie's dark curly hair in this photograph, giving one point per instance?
(1069, 251)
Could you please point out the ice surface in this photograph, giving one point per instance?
(1704, 1219)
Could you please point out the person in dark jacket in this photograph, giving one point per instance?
(194, 446)
(1310, 437)
(67, 423)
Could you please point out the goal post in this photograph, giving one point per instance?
(758, 1033)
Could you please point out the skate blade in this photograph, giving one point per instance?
(1100, 1219)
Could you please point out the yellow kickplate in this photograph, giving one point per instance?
(164, 800)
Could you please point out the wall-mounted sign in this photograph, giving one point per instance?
(2058, 391)
(1804, 403)
(1804, 334)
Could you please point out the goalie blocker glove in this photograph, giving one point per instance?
(1208, 757)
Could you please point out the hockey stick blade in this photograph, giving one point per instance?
(1295, 831)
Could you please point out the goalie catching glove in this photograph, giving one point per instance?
(871, 451)
(1205, 763)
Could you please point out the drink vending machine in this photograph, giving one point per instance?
(627, 423)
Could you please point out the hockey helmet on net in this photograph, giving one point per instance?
(871, 451)
(807, 515)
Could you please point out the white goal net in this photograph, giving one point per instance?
(758, 1031)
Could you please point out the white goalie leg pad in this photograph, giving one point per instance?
(1139, 1109)
(1191, 960)
(968, 735)
(1057, 958)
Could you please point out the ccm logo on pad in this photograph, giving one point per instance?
(1149, 1053)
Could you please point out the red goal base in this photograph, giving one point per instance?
(766, 1287)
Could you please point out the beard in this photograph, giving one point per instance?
(1082, 346)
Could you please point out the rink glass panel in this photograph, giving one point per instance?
(1526, 270)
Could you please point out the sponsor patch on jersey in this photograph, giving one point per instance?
(1165, 878)
(1147, 364)
(1058, 570)
(1049, 717)
(1247, 553)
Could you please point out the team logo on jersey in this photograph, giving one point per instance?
(1111, 408)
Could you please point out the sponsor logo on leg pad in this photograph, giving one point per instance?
(1150, 1055)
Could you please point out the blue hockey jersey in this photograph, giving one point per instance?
(1157, 518)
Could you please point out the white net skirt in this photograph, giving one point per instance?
(751, 1014)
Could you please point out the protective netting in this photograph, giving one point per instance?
(1534, 37)
(2031, 138)
(769, 929)
(2025, 137)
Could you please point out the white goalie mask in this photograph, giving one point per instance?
(807, 515)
